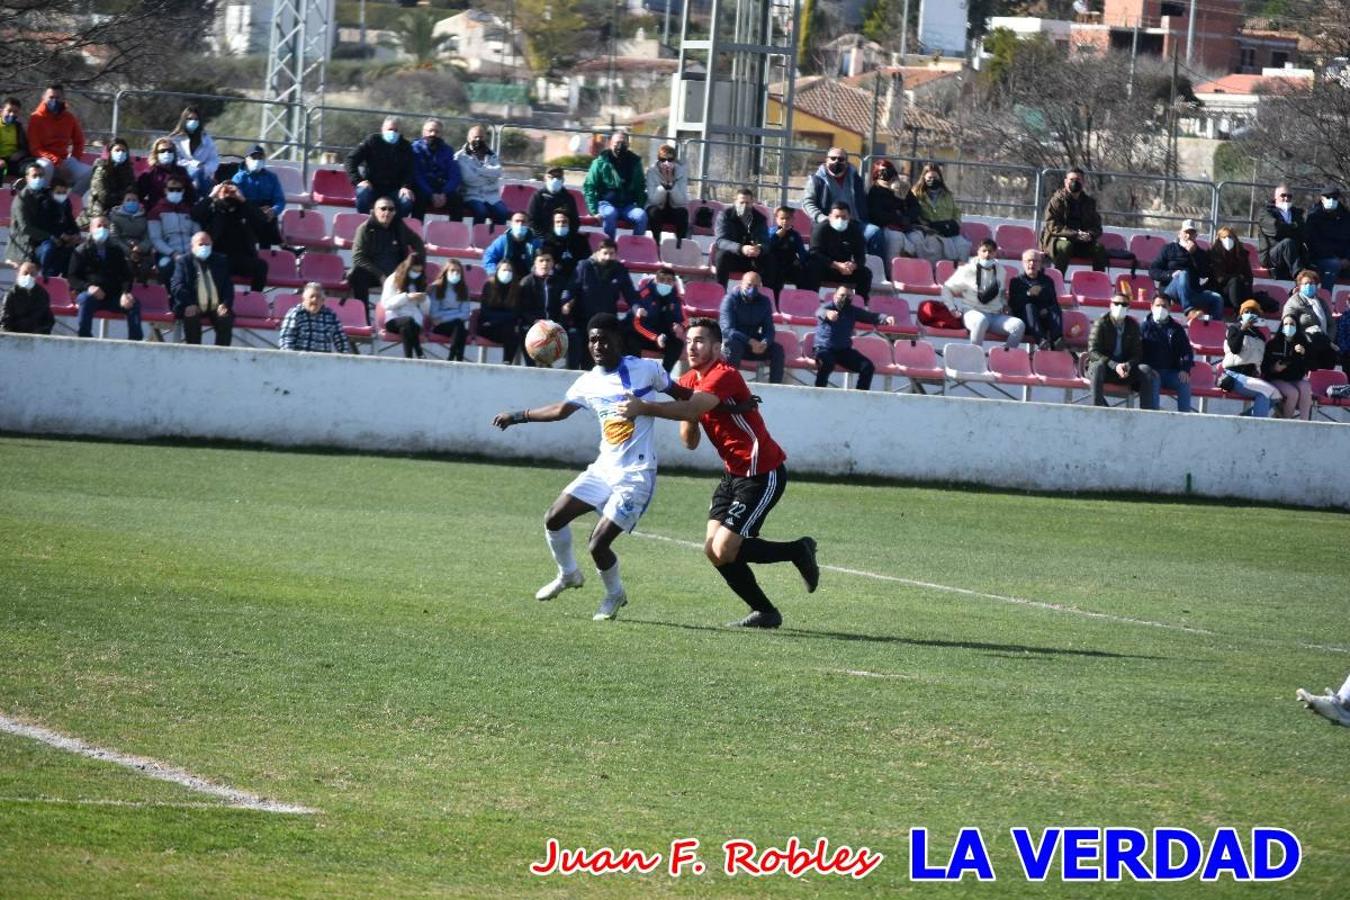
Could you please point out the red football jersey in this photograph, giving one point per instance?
(740, 438)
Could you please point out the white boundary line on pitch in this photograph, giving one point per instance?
(132, 804)
(1018, 601)
(150, 768)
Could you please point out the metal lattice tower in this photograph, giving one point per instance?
(301, 36)
(741, 47)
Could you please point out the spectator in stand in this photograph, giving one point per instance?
(382, 166)
(550, 198)
(311, 326)
(1285, 365)
(481, 174)
(405, 303)
(835, 321)
(615, 187)
(839, 252)
(112, 177)
(785, 259)
(1327, 231)
(56, 139)
(41, 228)
(939, 216)
(163, 166)
(668, 195)
(1167, 351)
(978, 292)
(435, 173)
(1179, 271)
(451, 307)
(1243, 351)
(196, 151)
(1343, 341)
(1073, 227)
(542, 293)
(13, 139)
(201, 288)
(837, 181)
(1116, 356)
(380, 244)
(171, 228)
(1281, 225)
(262, 189)
(517, 244)
(131, 233)
(1230, 269)
(1314, 319)
(566, 244)
(658, 318)
(499, 312)
(100, 279)
(896, 214)
(740, 236)
(600, 282)
(746, 319)
(27, 308)
(233, 225)
(1031, 297)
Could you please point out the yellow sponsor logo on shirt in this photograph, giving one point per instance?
(617, 430)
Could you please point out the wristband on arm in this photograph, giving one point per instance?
(519, 418)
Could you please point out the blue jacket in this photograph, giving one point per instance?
(746, 320)
(262, 188)
(823, 190)
(434, 171)
(662, 313)
(838, 335)
(1166, 346)
(787, 248)
(521, 253)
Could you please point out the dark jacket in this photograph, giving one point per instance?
(27, 312)
(662, 314)
(597, 290)
(1166, 346)
(830, 246)
(379, 250)
(1019, 292)
(838, 335)
(1274, 229)
(154, 180)
(500, 304)
(1102, 342)
(110, 271)
(1066, 214)
(434, 168)
(108, 185)
(823, 190)
(731, 232)
(183, 282)
(1175, 258)
(746, 320)
(544, 204)
(787, 248)
(542, 298)
(567, 252)
(1327, 232)
(233, 225)
(34, 218)
(887, 210)
(1280, 349)
(388, 167)
(1225, 265)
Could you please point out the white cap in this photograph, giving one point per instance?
(1189, 225)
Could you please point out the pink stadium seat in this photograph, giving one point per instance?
(1113, 240)
(292, 183)
(332, 187)
(1206, 337)
(353, 319)
(281, 269)
(797, 307)
(450, 239)
(975, 232)
(6, 205)
(639, 254)
(1077, 329)
(344, 228)
(325, 268)
(517, 196)
(944, 270)
(58, 292)
(703, 298)
(281, 304)
(1133, 285)
(594, 238)
(696, 205)
(304, 228)
(481, 235)
(475, 279)
(250, 311)
(898, 309)
(1056, 368)
(1146, 247)
(807, 349)
(1013, 367)
(154, 300)
(1091, 288)
(794, 356)
(1341, 302)
(415, 225)
(1258, 270)
(913, 276)
(801, 223)
(686, 259)
(917, 361)
(1320, 380)
(583, 216)
(878, 351)
(1204, 382)
(1013, 240)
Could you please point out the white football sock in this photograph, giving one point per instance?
(560, 545)
(1344, 693)
(610, 576)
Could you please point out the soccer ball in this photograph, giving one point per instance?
(546, 342)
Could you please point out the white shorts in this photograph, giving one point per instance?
(621, 497)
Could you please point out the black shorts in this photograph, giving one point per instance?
(742, 503)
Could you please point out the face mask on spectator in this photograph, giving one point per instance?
(192, 125)
(1283, 204)
(1289, 330)
(620, 146)
(26, 282)
(886, 174)
(518, 231)
(740, 209)
(415, 274)
(478, 145)
(37, 183)
(390, 136)
(60, 198)
(1308, 290)
(987, 263)
(118, 157)
(664, 289)
(561, 230)
(1160, 314)
(99, 234)
(1330, 203)
(504, 274)
(839, 224)
(1075, 187)
(165, 157)
(1228, 243)
(452, 277)
(55, 106)
(174, 196)
(1249, 319)
(1118, 312)
(254, 164)
(202, 251)
(750, 293)
(131, 207)
(836, 166)
(554, 185)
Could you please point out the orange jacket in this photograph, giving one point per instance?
(54, 136)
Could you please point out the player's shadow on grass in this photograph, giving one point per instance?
(1000, 649)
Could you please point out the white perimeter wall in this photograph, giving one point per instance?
(116, 389)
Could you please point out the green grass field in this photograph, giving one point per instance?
(357, 634)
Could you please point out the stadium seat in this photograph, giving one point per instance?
(1077, 329)
(965, 363)
(281, 269)
(353, 319)
(703, 298)
(1341, 302)
(801, 223)
(58, 292)
(1254, 255)
(1056, 368)
(1013, 367)
(944, 270)
(344, 228)
(1091, 288)
(517, 196)
(1114, 240)
(1146, 247)
(975, 232)
(332, 187)
(1014, 240)
(878, 352)
(304, 228)
(807, 350)
(292, 182)
(415, 225)
(482, 235)
(251, 312)
(1206, 337)
(282, 303)
(325, 268)
(898, 309)
(450, 238)
(639, 254)
(797, 307)
(1204, 385)
(795, 356)
(686, 259)
(1320, 380)
(696, 205)
(475, 279)
(917, 361)
(1135, 287)
(594, 238)
(6, 205)
(584, 217)
(913, 276)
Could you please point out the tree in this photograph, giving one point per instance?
(556, 33)
(416, 36)
(806, 37)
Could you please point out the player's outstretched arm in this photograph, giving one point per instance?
(689, 435)
(553, 413)
(679, 410)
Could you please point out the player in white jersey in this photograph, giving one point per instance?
(620, 483)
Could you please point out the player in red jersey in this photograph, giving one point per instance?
(755, 475)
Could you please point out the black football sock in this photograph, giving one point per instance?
(741, 580)
(758, 550)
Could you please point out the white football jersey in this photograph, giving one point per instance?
(625, 444)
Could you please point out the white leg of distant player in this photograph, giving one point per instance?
(569, 575)
(1344, 692)
(615, 597)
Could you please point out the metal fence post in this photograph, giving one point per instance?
(116, 111)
